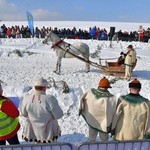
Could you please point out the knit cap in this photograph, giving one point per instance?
(135, 84)
(104, 83)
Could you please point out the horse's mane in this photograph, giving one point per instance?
(54, 35)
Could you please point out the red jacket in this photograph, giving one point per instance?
(8, 32)
(10, 109)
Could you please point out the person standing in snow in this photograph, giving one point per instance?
(132, 118)
(130, 61)
(97, 108)
(42, 112)
(9, 122)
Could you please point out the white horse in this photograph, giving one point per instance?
(66, 50)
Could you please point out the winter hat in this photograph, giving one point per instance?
(130, 46)
(104, 83)
(41, 82)
(135, 84)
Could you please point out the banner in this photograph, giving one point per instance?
(30, 22)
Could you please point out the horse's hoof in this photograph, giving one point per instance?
(56, 72)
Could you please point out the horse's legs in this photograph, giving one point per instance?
(87, 65)
(58, 65)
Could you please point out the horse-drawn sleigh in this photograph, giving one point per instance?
(66, 50)
(114, 69)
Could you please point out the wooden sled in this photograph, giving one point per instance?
(113, 69)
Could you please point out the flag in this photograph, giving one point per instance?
(30, 21)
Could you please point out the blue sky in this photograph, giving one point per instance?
(77, 10)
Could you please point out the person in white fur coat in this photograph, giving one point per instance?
(41, 112)
(130, 62)
(98, 107)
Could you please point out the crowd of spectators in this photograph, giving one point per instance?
(91, 33)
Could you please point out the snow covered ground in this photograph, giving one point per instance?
(19, 73)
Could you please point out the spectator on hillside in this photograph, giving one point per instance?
(1, 30)
(18, 34)
(92, 32)
(43, 33)
(95, 33)
(8, 32)
(37, 32)
(13, 32)
(5, 30)
(28, 32)
(23, 31)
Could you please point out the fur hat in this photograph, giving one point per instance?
(135, 84)
(130, 46)
(104, 83)
(41, 82)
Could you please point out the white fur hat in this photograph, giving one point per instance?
(41, 82)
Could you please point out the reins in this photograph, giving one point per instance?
(82, 59)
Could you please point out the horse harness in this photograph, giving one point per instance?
(57, 44)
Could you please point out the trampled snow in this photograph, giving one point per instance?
(19, 73)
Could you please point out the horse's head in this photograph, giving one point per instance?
(51, 37)
(47, 38)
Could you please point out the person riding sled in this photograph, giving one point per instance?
(121, 59)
